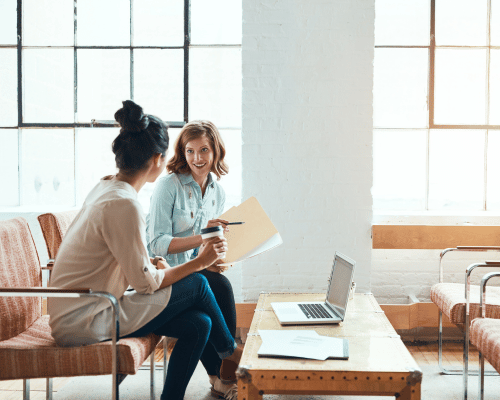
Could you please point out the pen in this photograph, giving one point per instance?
(235, 223)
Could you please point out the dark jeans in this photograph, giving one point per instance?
(193, 317)
(223, 292)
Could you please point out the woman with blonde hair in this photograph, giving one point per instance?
(188, 199)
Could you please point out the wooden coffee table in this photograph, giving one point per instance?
(379, 363)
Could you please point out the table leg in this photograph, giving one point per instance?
(247, 391)
(410, 392)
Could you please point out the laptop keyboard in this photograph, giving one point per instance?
(314, 311)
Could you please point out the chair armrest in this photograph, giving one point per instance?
(468, 273)
(482, 300)
(83, 292)
(461, 248)
(41, 291)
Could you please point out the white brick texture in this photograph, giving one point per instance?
(307, 137)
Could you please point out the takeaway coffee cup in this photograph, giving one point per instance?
(207, 233)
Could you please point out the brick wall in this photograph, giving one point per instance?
(307, 134)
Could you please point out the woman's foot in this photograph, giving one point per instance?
(229, 366)
(223, 391)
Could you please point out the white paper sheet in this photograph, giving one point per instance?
(300, 344)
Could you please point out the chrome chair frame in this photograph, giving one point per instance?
(482, 313)
(79, 293)
(470, 269)
(455, 371)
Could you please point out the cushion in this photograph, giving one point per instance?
(450, 299)
(485, 335)
(54, 227)
(19, 267)
(34, 354)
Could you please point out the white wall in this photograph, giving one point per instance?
(307, 134)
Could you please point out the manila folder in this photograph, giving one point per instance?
(255, 236)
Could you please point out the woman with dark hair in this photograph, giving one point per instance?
(105, 250)
(185, 201)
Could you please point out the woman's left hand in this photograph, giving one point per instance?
(217, 222)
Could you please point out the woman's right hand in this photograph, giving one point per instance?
(217, 222)
(212, 250)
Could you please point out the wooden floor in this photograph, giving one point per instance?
(423, 353)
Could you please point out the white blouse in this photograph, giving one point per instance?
(105, 250)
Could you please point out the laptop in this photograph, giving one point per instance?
(331, 311)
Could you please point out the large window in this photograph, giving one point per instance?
(66, 66)
(437, 105)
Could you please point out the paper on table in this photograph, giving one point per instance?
(255, 236)
(301, 344)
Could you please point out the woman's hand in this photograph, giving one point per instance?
(212, 250)
(217, 222)
(218, 268)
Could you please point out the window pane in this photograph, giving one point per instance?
(103, 23)
(48, 23)
(9, 162)
(461, 22)
(147, 190)
(48, 166)
(401, 188)
(216, 22)
(400, 88)
(456, 169)
(493, 175)
(103, 83)
(460, 86)
(8, 22)
(232, 181)
(158, 23)
(8, 87)
(95, 158)
(48, 85)
(159, 82)
(404, 23)
(495, 23)
(215, 86)
(494, 114)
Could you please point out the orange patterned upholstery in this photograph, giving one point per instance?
(34, 354)
(19, 266)
(485, 335)
(450, 299)
(27, 349)
(54, 227)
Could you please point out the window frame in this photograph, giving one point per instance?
(431, 112)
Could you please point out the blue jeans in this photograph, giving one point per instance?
(194, 318)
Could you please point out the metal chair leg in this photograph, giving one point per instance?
(48, 389)
(152, 373)
(165, 348)
(481, 376)
(26, 389)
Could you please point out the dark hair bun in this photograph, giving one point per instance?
(131, 118)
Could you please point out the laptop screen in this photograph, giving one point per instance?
(340, 284)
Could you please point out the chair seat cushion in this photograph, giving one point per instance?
(450, 299)
(35, 354)
(485, 335)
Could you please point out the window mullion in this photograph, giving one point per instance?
(131, 50)
(187, 42)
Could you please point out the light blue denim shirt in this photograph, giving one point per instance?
(177, 209)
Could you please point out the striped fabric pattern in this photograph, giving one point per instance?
(485, 335)
(54, 227)
(27, 349)
(19, 267)
(34, 354)
(450, 299)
